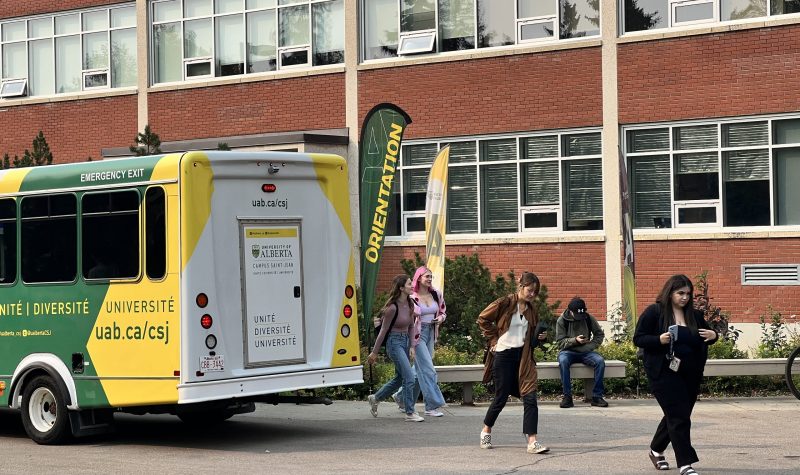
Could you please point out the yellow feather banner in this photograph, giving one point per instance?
(436, 217)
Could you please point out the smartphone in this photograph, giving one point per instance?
(673, 332)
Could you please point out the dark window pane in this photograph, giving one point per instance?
(540, 220)
(415, 189)
(696, 136)
(584, 195)
(499, 198)
(697, 215)
(581, 144)
(747, 203)
(787, 193)
(8, 241)
(645, 14)
(294, 58)
(648, 140)
(393, 218)
(45, 259)
(650, 191)
(785, 6)
(540, 183)
(786, 131)
(696, 186)
(110, 235)
(415, 224)
(155, 233)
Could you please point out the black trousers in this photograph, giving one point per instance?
(676, 393)
(505, 371)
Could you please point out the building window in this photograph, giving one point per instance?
(724, 174)
(511, 184)
(76, 51)
(399, 27)
(213, 38)
(642, 15)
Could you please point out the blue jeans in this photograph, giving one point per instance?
(397, 348)
(567, 358)
(427, 379)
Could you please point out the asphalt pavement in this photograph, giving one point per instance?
(735, 436)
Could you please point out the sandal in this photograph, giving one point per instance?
(688, 471)
(660, 463)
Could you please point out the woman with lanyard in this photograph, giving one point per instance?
(509, 325)
(675, 339)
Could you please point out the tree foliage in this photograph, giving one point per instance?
(146, 143)
(41, 155)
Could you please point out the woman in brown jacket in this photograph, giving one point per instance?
(508, 324)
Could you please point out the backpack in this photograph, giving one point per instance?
(391, 325)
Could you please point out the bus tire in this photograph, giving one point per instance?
(44, 412)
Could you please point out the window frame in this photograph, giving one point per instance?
(139, 232)
(771, 146)
(80, 33)
(244, 11)
(716, 18)
(561, 159)
(6, 82)
(519, 22)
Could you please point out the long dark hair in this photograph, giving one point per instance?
(398, 282)
(664, 300)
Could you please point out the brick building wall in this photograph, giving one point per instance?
(75, 130)
(722, 258)
(567, 269)
(559, 89)
(718, 75)
(249, 108)
(18, 8)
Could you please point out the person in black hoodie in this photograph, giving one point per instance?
(675, 339)
(578, 335)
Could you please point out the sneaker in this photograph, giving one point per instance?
(399, 402)
(373, 405)
(599, 402)
(434, 413)
(414, 417)
(536, 448)
(486, 440)
(566, 402)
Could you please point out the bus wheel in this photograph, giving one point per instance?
(44, 412)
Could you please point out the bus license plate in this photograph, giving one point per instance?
(212, 363)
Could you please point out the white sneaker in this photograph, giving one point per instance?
(486, 440)
(399, 402)
(373, 405)
(434, 413)
(536, 448)
(414, 417)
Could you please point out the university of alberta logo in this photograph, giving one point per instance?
(256, 250)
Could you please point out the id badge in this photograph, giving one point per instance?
(675, 363)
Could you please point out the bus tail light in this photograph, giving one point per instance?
(206, 321)
(348, 311)
(201, 300)
(211, 342)
(348, 291)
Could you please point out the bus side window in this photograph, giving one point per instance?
(155, 232)
(110, 224)
(49, 235)
(8, 241)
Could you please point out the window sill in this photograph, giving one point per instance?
(246, 78)
(708, 28)
(480, 53)
(673, 234)
(74, 96)
(516, 238)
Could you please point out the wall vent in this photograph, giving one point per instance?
(770, 274)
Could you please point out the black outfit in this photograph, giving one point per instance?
(676, 392)
(505, 368)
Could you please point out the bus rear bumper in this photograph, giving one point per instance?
(253, 386)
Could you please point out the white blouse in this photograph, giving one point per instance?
(515, 336)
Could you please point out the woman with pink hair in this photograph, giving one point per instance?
(433, 312)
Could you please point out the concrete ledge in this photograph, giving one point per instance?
(745, 367)
(470, 374)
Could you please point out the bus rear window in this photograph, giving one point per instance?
(155, 232)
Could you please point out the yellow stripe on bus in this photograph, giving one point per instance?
(196, 192)
(11, 180)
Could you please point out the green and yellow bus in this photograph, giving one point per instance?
(194, 284)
